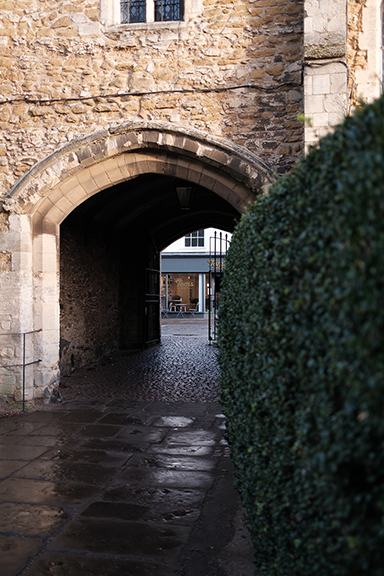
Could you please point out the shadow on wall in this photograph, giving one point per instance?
(89, 299)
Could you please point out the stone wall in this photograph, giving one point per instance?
(343, 60)
(58, 50)
(326, 71)
(203, 100)
(364, 49)
(89, 298)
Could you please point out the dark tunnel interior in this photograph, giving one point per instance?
(109, 253)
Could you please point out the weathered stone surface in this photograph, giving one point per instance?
(59, 50)
(87, 105)
(5, 261)
(325, 46)
(89, 299)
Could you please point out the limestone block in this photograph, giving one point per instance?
(21, 261)
(335, 118)
(100, 177)
(9, 380)
(55, 195)
(338, 83)
(6, 352)
(368, 85)
(336, 103)
(320, 119)
(89, 29)
(321, 84)
(50, 319)
(314, 104)
(86, 182)
(327, 45)
(65, 205)
(46, 377)
(28, 395)
(110, 166)
(45, 244)
(78, 18)
(125, 166)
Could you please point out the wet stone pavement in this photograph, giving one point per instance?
(119, 483)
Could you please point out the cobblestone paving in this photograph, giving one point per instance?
(180, 368)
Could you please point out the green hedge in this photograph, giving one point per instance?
(301, 351)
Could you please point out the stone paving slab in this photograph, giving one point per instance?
(163, 513)
(30, 520)
(123, 481)
(127, 539)
(132, 480)
(16, 551)
(66, 564)
(174, 498)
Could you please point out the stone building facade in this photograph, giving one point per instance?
(102, 119)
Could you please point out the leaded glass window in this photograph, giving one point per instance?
(167, 10)
(133, 11)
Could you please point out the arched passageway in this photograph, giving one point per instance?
(109, 254)
(96, 215)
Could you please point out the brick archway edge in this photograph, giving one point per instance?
(53, 187)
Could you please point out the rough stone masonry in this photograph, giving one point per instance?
(91, 105)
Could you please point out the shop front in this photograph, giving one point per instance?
(184, 284)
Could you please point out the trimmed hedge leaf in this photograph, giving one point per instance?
(301, 350)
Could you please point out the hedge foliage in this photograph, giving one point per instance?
(301, 351)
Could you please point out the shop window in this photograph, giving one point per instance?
(180, 289)
(195, 239)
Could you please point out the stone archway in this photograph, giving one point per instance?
(53, 188)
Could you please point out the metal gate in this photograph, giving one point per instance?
(218, 247)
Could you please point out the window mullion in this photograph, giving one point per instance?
(150, 10)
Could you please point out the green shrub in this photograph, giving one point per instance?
(301, 351)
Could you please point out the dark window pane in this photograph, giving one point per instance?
(167, 10)
(195, 238)
(132, 11)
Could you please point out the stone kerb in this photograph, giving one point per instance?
(57, 171)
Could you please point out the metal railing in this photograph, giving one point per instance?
(24, 363)
(218, 248)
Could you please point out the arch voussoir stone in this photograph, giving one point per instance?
(132, 138)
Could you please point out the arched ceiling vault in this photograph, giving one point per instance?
(148, 205)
